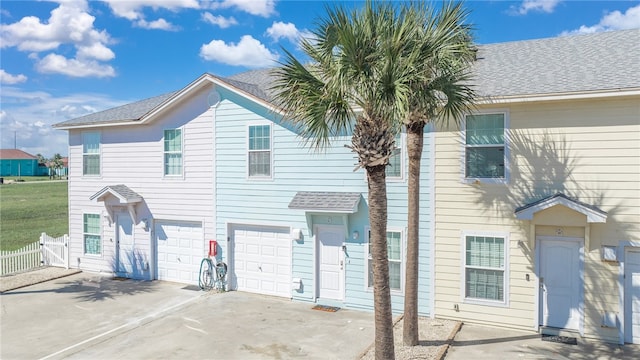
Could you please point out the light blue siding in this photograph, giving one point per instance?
(297, 168)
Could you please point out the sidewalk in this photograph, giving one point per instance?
(26, 278)
(481, 342)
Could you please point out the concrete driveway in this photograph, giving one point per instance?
(88, 316)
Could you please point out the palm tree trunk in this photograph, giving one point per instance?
(415, 143)
(384, 348)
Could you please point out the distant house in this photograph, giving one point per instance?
(14, 162)
(59, 172)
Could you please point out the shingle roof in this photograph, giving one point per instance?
(128, 112)
(15, 154)
(339, 202)
(123, 192)
(593, 213)
(580, 63)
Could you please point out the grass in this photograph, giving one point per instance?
(31, 208)
(27, 178)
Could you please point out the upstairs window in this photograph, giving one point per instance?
(91, 153)
(173, 152)
(394, 169)
(259, 151)
(485, 146)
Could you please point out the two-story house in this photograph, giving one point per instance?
(530, 211)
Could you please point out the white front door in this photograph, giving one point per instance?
(330, 262)
(560, 282)
(124, 243)
(632, 296)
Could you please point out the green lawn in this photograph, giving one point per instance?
(31, 208)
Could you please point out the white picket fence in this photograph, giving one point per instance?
(48, 251)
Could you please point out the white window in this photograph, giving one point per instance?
(92, 238)
(259, 151)
(485, 277)
(394, 169)
(485, 146)
(173, 152)
(91, 153)
(395, 246)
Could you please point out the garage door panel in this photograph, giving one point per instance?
(180, 248)
(262, 260)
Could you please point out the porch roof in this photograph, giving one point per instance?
(122, 192)
(334, 202)
(592, 212)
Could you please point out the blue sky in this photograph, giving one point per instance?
(64, 59)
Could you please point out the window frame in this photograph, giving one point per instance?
(85, 135)
(400, 145)
(99, 234)
(463, 138)
(249, 151)
(463, 286)
(164, 154)
(402, 261)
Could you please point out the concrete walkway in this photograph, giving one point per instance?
(480, 342)
(31, 277)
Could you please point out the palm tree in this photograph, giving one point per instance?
(360, 79)
(444, 93)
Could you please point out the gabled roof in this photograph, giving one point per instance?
(593, 213)
(122, 192)
(15, 154)
(599, 64)
(335, 202)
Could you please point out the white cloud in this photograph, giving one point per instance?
(133, 9)
(58, 64)
(614, 20)
(546, 6)
(219, 20)
(160, 24)
(9, 79)
(264, 8)
(69, 23)
(279, 30)
(248, 52)
(30, 114)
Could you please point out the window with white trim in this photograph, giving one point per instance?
(394, 169)
(91, 153)
(395, 246)
(485, 146)
(173, 152)
(259, 151)
(484, 268)
(92, 237)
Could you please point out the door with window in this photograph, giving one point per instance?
(330, 262)
(560, 280)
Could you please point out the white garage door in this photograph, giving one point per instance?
(180, 251)
(262, 260)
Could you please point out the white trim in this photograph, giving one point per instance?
(506, 153)
(100, 157)
(592, 216)
(403, 258)
(432, 222)
(559, 96)
(403, 163)
(581, 260)
(621, 254)
(271, 153)
(506, 270)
